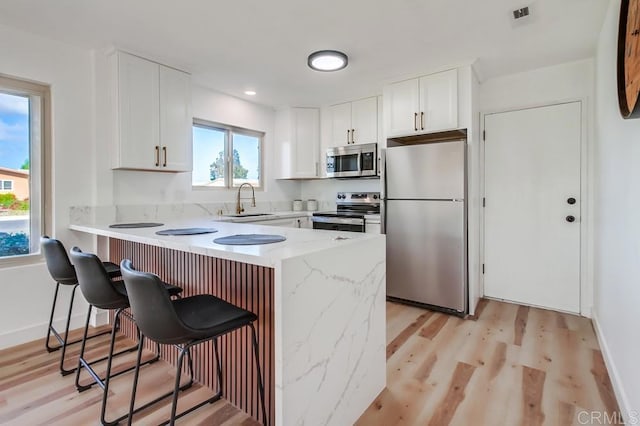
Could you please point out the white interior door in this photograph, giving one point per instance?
(532, 212)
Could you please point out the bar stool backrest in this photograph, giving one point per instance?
(151, 306)
(58, 264)
(97, 288)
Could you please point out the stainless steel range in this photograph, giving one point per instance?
(351, 209)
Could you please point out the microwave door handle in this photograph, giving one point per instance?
(360, 163)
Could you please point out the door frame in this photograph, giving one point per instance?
(586, 207)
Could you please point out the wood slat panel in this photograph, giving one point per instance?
(247, 286)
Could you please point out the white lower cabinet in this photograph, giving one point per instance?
(291, 222)
(372, 227)
(305, 222)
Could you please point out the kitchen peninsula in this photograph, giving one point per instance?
(320, 299)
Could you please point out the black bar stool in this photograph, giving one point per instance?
(103, 293)
(63, 273)
(184, 323)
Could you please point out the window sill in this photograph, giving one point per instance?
(18, 261)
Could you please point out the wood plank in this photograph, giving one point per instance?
(456, 393)
(431, 330)
(532, 389)
(520, 324)
(407, 332)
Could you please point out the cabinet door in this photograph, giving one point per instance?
(306, 142)
(401, 107)
(285, 223)
(175, 120)
(372, 228)
(364, 120)
(340, 124)
(305, 222)
(138, 105)
(439, 101)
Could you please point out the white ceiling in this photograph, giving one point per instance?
(236, 45)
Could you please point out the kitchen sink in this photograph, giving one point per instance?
(248, 214)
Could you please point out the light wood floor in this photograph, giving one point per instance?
(513, 365)
(32, 392)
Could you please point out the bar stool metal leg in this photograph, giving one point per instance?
(64, 342)
(260, 384)
(136, 376)
(83, 363)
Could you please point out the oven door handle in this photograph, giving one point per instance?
(338, 220)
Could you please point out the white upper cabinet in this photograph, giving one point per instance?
(153, 115)
(354, 122)
(422, 105)
(175, 120)
(298, 140)
(401, 106)
(439, 101)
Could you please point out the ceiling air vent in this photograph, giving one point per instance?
(521, 13)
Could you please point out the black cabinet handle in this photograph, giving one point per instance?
(570, 218)
(571, 200)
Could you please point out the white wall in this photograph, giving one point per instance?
(564, 82)
(28, 291)
(132, 187)
(617, 228)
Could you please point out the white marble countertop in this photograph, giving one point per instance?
(299, 241)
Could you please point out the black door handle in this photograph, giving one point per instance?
(570, 219)
(571, 200)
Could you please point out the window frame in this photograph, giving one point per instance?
(40, 166)
(229, 131)
(3, 181)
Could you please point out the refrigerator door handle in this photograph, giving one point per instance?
(383, 191)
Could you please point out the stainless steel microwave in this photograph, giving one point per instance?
(353, 160)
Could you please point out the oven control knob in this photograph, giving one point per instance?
(375, 196)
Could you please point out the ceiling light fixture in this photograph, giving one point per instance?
(327, 60)
(249, 92)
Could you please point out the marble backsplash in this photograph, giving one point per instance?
(82, 215)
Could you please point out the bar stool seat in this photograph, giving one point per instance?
(64, 273)
(205, 315)
(184, 323)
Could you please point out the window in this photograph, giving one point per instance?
(6, 185)
(225, 156)
(22, 119)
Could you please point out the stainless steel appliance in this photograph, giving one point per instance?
(351, 209)
(353, 161)
(424, 216)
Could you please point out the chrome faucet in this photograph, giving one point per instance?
(239, 208)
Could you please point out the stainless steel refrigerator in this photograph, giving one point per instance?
(424, 216)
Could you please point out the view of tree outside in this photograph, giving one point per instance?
(216, 169)
(209, 147)
(14, 174)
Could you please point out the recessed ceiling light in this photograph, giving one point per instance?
(249, 92)
(327, 60)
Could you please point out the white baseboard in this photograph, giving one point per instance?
(618, 389)
(39, 331)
